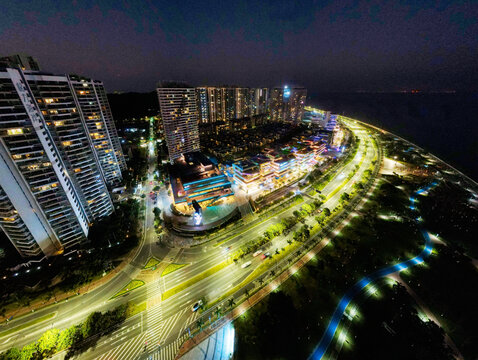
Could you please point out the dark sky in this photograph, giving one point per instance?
(323, 45)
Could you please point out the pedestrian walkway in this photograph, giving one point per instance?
(218, 346)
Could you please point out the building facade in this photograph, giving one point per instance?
(90, 95)
(52, 182)
(179, 116)
(287, 104)
(221, 105)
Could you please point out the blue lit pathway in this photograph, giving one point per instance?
(329, 334)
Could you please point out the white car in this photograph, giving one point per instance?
(256, 253)
(245, 264)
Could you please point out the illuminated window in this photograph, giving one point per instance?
(17, 131)
(16, 157)
(66, 143)
(77, 170)
(58, 123)
(44, 112)
(49, 100)
(53, 111)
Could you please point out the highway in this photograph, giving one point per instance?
(166, 322)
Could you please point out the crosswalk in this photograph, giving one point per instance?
(159, 332)
(168, 352)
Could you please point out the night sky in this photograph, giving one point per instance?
(325, 46)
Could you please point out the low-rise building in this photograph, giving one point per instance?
(195, 177)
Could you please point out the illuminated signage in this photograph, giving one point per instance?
(286, 92)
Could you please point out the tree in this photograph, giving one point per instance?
(261, 281)
(47, 342)
(157, 212)
(28, 352)
(12, 354)
(273, 273)
(91, 324)
(344, 197)
(231, 302)
(65, 339)
(247, 293)
(326, 212)
(200, 323)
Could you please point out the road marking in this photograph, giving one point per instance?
(183, 295)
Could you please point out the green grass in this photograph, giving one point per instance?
(134, 309)
(195, 279)
(152, 262)
(172, 267)
(28, 324)
(133, 284)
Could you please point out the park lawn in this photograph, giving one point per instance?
(152, 262)
(171, 268)
(184, 285)
(28, 324)
(133, 284)
(447, 284)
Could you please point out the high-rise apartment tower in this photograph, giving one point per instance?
(53, 178)
(177, 104)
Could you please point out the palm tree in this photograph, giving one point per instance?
(218, 312)
(261, 281)
(247, 293)
(289, 241)
(297, 253)
(273, 273)
(231, 302)
(199, 323)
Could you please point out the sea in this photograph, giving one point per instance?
(445, 124)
